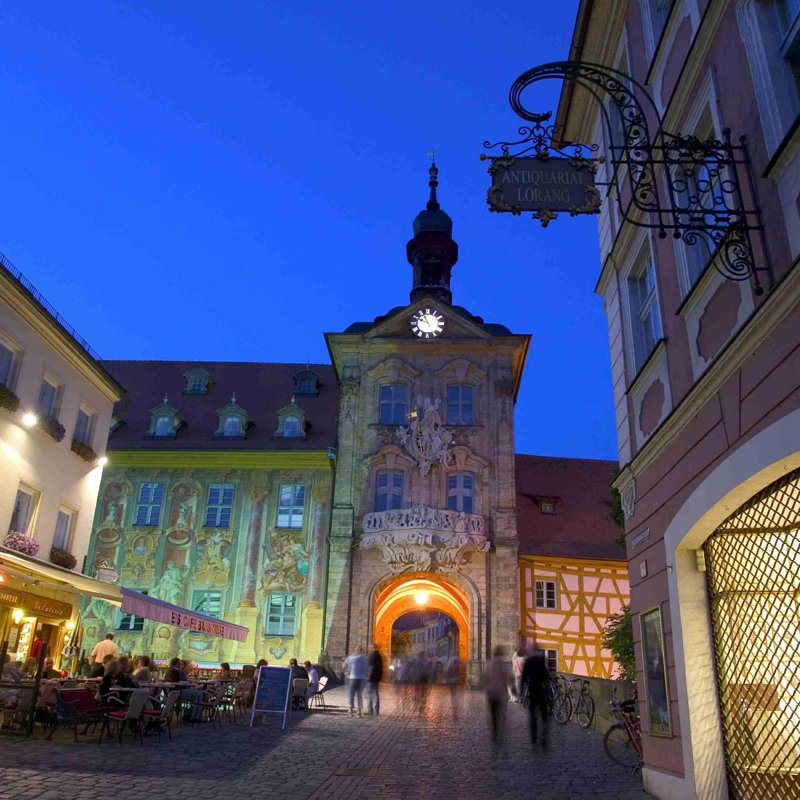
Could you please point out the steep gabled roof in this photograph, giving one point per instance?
(581, 489)
(261, 389)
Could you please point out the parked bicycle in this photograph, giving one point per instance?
(623, 740)
(574, 699)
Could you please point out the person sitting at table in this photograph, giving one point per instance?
(313, 680)
(188, 695)
(124, 676)
(12, 673)
(297, 670)
(187, 669)
(98, 670)
(143, 673)
(48, 670)
(106, 692)
(225, 673)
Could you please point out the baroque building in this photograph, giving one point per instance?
(316, 505)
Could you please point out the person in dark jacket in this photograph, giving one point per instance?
(534, 680)
(374, 677)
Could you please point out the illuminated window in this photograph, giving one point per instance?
(291, 501)
(220, 504)
(281, 614)
(291, 426)
(208, 603)
(546, 594)
(148, 509)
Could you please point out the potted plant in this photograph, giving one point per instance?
(21, 543)
(63, 558)
(53, 427)
(8, 399)
(83, 450)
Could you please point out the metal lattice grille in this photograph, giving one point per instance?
(753, 570)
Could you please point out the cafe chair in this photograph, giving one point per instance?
(159, 718)
(75, 707)
(127, 717)
(318, 698)
(299, 686)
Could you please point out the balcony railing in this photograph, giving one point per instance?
(423, 517)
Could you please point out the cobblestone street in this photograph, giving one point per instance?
(405, 753)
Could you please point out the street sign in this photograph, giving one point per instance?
(543, 185)
(273, 690)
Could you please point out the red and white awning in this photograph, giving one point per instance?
(141, 605)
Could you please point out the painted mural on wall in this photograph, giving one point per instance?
(176, 558)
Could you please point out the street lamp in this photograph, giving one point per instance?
(29, 419)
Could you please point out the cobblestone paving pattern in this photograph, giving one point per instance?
(439, 750)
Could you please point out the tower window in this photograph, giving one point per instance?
(394, 404)
(389, 490)
(461, 405)
(461, 492)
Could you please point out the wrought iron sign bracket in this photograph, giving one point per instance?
(690, 187)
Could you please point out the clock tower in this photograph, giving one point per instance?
(432, 252)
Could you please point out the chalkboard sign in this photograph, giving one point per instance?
(273, 689)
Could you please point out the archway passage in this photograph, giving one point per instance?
(422, 592)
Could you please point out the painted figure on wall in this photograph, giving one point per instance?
(287, 567)
(170, 585)
(213, 559)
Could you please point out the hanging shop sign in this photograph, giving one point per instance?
(36, 604)
(543, 184)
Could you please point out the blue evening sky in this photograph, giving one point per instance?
(226, 181)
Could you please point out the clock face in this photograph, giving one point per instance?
(427, 323)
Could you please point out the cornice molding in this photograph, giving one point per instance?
(220, 459)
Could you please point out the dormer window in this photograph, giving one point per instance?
(292, 422)
(306, 382)
(164, 421)
(197, 381)
(233, 421)
(547, 505)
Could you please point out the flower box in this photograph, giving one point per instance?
(63, 558)
(83, 450)
(52, 426)
(21, 543)
(8, 399)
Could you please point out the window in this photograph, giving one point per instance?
(306, 382)
(49, 396)
(232, 426)
(8, 364)
(394, 405)
(84, 426)
(548, 507)
(281, 614)
(461, 492)
(130, 622)
(290, 506)
(24, 506)
(645, 316)
(148, 510)
(197, 380)
(656, 12)
(220, 503)
(461, 405)
(291, 426)
(546, 594)
(63, 530)
(389, 490)
(163, 426)
(208, 603)
(551, 658)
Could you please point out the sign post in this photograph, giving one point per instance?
(273, 689)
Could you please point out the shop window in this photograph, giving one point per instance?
(130, 622)
(389, 490)
(220, 504)
(546, 594)
(63, 531)
(461, 405)
(394, 404)
(281, 614)
(148, 509)
(461, 492)
(291, 501)
(24, 509)
(209, 603)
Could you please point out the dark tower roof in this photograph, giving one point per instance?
(432, 252)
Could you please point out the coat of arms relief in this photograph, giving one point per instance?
(425, 439)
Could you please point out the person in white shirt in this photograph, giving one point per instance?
(102, 649)
(313, 680)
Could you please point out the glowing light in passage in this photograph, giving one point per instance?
(421, 598)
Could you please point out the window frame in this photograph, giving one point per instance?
(551, 653)
(291, 419)
(24, 488)
(293, 506)
(58, 390)
(460, 404)
(207, 602)
(643, 310)
(393, 404)
(135, 624)
(71, 515)
(390, 490)
(276, 627)
(545, 594)
(91, 418)
(239, 426)
(151, 505)
(9, 380)
(459, 493)
(220, 507)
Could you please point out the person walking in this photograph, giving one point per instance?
(534, 680)
(497, 692)
(355, 667)
(374, 677)
(517, 665)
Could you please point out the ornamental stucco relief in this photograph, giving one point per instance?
(425, 439)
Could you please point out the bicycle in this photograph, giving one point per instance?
(574, 699)
(623, 740)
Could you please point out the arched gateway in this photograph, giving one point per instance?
(424, 496)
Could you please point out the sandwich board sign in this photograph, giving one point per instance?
(273, 689)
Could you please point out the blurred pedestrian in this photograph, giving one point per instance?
(497, 692)
(355, 668)
(374, 677)
(534, 681)
(517, 664)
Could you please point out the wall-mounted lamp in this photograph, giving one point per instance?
(421, 598)
(102, 461)
(70, 626)
(17, 614)
(29, 419)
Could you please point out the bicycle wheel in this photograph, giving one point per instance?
(584, 711)
(562, 709)
(619, 747)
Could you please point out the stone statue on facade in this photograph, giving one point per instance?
(425, 439)
(170, 585)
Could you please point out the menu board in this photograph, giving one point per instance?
(273, 689)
